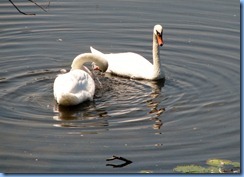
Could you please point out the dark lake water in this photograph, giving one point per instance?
(190, 117)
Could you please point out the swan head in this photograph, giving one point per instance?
(158, 32)
(101, 67)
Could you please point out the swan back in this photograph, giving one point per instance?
(78, 85)
(73, 87)
(127, 64)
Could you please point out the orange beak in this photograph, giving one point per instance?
(160, 40)
(96, 68)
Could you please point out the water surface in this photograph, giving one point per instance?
(191, 116)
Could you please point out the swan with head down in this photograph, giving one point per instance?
(133, 65)
(77, 85)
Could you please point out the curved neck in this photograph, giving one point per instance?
(156, 59)
(81, 59)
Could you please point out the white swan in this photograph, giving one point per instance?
(133, 65)
(77, 85)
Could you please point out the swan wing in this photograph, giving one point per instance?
(73, 87)
(127, 64)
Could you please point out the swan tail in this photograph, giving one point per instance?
(67, 99)
(70, 99)
(94, 51)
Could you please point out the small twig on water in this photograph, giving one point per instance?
(20, 10)
(126, 162)
(32, 1)
(37, 5)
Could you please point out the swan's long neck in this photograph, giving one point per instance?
(156, 58)
(81, 59)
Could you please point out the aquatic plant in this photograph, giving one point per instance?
(214, 166)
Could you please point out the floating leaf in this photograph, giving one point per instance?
(146, 171)
(236, 164)
(219, 162)
(213, 169)
(191, 169)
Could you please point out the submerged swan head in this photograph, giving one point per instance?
(158, 32)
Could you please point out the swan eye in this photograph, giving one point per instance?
(158, 33)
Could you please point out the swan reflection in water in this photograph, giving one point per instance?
(83, 116)
(153, 104)
(90, 118)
